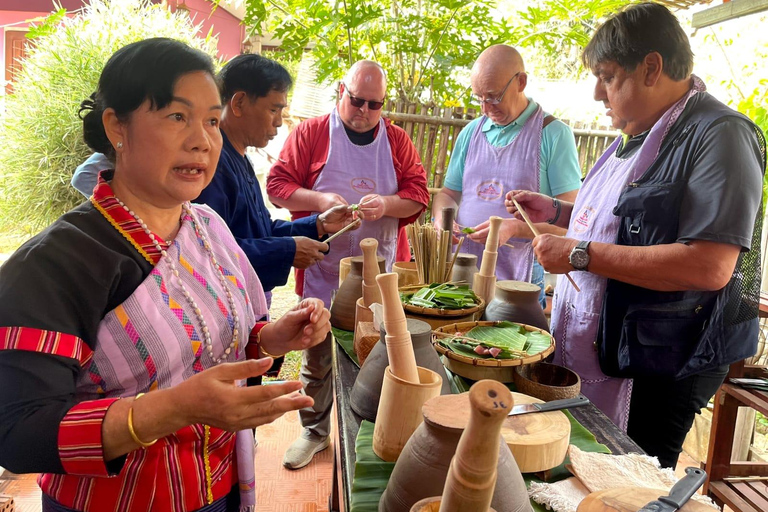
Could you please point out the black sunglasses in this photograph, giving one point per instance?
(359, 102)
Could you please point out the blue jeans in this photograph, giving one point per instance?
(537, 278)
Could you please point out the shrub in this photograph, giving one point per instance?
(40, 132)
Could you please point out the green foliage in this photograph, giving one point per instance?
(41, 132)
(426, 46)
(755, 106)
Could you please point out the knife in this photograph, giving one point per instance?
(554, 405)
(680, 492)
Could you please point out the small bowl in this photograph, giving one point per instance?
(547, 381)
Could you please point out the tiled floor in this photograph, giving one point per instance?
(277, 489)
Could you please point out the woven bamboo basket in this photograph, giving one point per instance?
(485, 368)
(437, 317)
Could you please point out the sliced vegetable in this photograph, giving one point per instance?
(442, 296)
(468, 231)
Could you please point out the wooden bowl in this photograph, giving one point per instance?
(547, 381)
(480, 368)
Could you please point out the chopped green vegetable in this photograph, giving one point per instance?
(468, 231)
(354, 207)
(442, 296)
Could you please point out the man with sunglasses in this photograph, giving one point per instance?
(514, 145)
(350, 156)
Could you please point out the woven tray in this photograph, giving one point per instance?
(439, 311)
(476, 368)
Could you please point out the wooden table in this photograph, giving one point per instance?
(348, 423)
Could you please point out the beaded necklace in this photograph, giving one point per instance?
(190, 300)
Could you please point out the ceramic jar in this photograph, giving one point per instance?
(422, 467)
(366, 391)
(517, 301)
(464, 269)
(344, 304)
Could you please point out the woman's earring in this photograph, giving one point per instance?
(119, 145)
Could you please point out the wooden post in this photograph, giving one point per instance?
(371, 291)
(472, 475)
(399, 346)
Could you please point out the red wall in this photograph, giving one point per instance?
(226, 26)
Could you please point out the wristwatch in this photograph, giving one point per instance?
(579, 257)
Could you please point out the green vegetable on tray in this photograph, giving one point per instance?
(468, 231)
(506, 340)
(442, 296)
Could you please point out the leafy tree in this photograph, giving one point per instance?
(426, 46)
(41, 134)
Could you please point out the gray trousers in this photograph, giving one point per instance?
(316, 377)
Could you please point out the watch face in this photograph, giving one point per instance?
(579, 258)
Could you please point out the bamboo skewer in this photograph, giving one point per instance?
(349, 226)
(537, 233)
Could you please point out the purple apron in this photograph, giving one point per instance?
(489, 173)
(353, 172)
(152, 340)
(575, 315)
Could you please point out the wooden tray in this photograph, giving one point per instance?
(486, 368)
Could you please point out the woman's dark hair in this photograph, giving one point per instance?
(253, 74)
(145, 70)
(638, 30)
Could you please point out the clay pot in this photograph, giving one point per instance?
(344, 266)
(406, 273)
(547, 381)
(423, 465)
(343, 307)
(465, 268)
(433, 505)
(366, 392)
(399, 411)
(517, 301)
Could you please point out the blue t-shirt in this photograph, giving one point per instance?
(559, 170)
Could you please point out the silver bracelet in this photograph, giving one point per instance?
(557, 206)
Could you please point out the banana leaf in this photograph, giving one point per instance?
(536, 342)
(505, 338)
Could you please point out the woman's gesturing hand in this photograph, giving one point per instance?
(303, 326)
(212, 397)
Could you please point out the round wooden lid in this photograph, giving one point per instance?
(631, 499)
(447, 411)
(517, 286)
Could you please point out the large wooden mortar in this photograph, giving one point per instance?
(539, 440)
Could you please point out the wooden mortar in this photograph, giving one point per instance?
(485, 280)
(371, 292)
(472, 475)
(399, 346)
(399, 412)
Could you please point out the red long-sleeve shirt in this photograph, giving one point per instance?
(305, 153)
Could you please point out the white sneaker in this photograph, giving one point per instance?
(300, 453)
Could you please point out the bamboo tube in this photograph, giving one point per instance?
(399, 346)
(472, 475)
(371, 291)
(488, 266)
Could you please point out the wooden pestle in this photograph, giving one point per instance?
(371, 291)
(449, 215)
(402, 359)
(485, 280)
(472, 475)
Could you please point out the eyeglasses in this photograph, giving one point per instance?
(359, 102)
(496, 101)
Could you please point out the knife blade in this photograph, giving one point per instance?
(554, 405)
(680, 493)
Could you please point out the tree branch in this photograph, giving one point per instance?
(437, 44)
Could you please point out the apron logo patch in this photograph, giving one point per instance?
(490, 190)
(581, 224)
(363, 185)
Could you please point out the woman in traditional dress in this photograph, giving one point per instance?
(125, 325)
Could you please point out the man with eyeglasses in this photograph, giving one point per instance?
(514, 145)
(350, 156)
